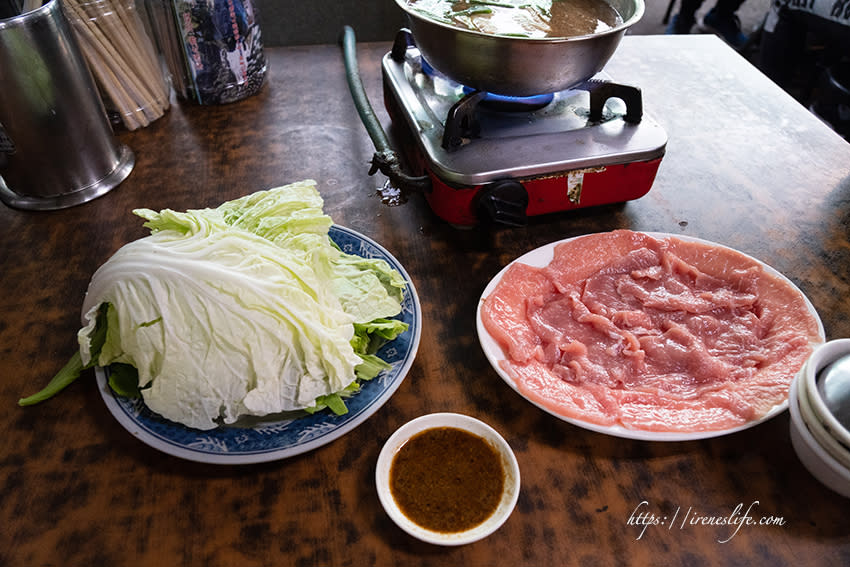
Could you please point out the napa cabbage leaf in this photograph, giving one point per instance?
(246, 309)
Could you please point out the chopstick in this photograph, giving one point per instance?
(122, 58)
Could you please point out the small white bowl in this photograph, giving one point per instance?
(816, 427)
(466, 423)
(820, 357)
(814, 457)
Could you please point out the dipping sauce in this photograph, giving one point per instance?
(523, 18)
(447, 480)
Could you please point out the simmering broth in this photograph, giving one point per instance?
(523, 18)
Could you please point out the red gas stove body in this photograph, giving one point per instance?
(467, 206)
(502, 159)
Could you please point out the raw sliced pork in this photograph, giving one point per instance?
(653, 334)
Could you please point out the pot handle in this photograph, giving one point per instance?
(601, 91)
(385, 159)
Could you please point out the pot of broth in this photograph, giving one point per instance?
(519, 47)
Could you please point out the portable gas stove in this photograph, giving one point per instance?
(502, 159)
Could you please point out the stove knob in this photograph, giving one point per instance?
(503, 202)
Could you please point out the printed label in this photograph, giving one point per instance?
(223, 49)
(7, 146)
(575, 182)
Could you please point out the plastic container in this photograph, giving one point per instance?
(122, 58)
(213, 48)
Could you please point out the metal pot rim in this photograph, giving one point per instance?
(640, 7)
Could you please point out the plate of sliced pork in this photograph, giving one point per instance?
(648, 336)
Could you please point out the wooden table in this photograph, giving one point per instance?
(746, 166)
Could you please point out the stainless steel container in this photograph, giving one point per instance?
(57, 148)
(516, 66)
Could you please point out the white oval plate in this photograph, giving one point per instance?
(543, 256)
(273, 438)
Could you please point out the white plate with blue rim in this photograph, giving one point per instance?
(281, 436)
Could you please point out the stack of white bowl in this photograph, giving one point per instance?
(821, 442)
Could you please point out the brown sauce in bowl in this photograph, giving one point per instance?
(523, 18)
(447, 480)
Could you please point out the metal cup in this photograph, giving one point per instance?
(57, 148)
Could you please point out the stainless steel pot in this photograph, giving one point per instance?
(518, 66)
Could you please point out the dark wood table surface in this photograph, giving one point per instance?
(746, 166)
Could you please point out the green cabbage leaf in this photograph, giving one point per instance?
(247, 309)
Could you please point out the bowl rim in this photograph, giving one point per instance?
(833, 471)
(468, 423)
(821, 356)
(820, 433)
